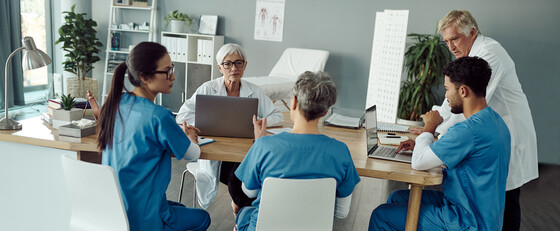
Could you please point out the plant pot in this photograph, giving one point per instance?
(177, 26)
(410, 122)
(63, 117)
(78, 88)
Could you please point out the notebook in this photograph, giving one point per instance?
(377, 150)
(225, 116)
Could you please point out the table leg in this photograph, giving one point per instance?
(413, 207)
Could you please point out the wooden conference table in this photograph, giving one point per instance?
(234, 149)
(37, 133)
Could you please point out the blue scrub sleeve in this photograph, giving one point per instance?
(455, 145)
(170, 135)
(350, 179)
(249, 169)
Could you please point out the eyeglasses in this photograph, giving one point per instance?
(238, 64)
(168, 72)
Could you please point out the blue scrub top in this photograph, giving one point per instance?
(141, 156)
(476, 153)
(297, 156)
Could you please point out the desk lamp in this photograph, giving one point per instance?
(32, 58)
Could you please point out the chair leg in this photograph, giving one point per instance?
(181, 187)
(194, 194)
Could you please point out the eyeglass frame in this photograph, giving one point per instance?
(168, 72)
(234, 63)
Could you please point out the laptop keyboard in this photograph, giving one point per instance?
(386, 152)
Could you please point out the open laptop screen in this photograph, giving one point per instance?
(225, 116)
(371, 127)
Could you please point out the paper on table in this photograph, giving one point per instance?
(341, 120)
(278, 130)
(392, 141)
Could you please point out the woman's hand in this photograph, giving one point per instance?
(93, 103)
(259, 127)
(190, 131)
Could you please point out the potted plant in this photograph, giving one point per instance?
(423, 62)
(66, 113)
(78, 39)
(178, 21)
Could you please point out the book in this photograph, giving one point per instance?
(54, 103)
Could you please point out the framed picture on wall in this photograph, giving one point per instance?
(208, 24)
(121, 2)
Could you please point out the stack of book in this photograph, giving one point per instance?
(54, 104)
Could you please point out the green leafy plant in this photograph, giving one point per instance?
(79, 41)
(176, 15)
(68, 102)
(423, 61)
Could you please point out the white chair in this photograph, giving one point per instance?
(95, 196)
(297, 204)
(193, 169)
(293, 62)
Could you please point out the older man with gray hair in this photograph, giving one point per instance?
(505, 95)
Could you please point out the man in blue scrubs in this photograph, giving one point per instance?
(474, 155)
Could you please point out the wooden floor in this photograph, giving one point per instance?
(539, 200)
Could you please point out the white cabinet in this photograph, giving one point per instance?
(120, 19)
(194, 56)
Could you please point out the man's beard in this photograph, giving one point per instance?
(457, 109)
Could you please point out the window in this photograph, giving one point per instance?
(35, 22)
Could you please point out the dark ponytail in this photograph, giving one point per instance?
(106, 123)
(142, 61)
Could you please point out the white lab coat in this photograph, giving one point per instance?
(207, 180)
(505, 96)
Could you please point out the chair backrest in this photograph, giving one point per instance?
(295, 61)
(297, 204)
(95, 196)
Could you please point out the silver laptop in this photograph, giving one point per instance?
(225, 116)
(374, 148)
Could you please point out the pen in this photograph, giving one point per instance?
(398, 137)
(391, 134)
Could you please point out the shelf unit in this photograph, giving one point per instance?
(190, 73)
(118, 15)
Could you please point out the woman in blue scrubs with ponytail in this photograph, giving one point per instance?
(138, 137)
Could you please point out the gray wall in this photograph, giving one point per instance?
(529, 30)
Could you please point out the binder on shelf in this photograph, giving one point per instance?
(173, 45)
(183, 49)
(199, 51)
(208, 51)
(343, 117)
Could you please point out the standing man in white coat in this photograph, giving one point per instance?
(504, 94)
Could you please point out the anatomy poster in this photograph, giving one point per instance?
(269, 20)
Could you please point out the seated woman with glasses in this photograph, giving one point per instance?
(303, 153)
(138, 137)
(232, 62)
